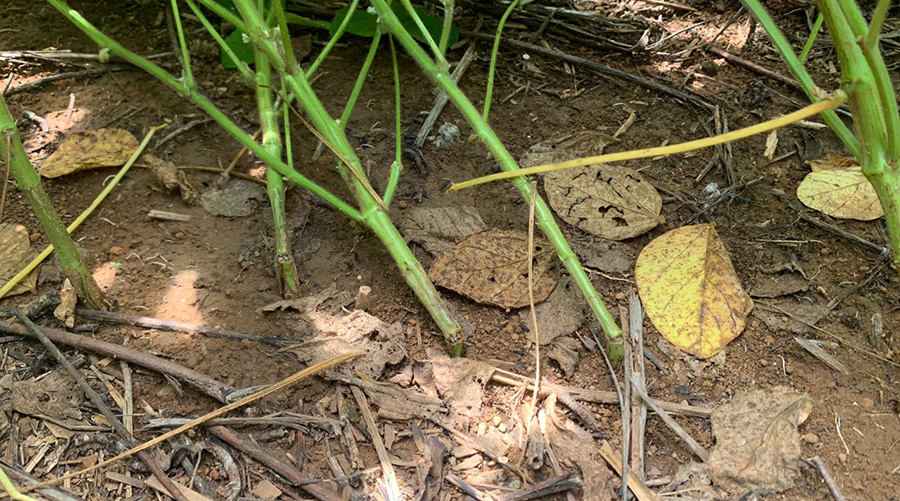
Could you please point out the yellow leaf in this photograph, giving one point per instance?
(690, 290)
(833, 162)
(844, 194)
(90, 150)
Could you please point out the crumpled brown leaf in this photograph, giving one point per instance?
(564, 351)
(172, 178)
(757, 441)
(491, 267)
(438, 228)
(53, 395)
(15, 254)
(576, 447)
(562, 313)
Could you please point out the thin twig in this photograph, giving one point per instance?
(826, 476)
(883, 252)
(698, 449)
(387, 469)
(26, 87)
(441, 101)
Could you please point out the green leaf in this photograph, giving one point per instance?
(242, 49)
(361, 24)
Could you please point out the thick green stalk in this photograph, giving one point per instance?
(868, 112)
(286, 269)
(397, 165)
(494, 51)
(29, 183)
(188, 75)
(812, 38)
(241, 66)
(875, 63)
(800, 73)
(543, 214)
(448, 25)
(361, 79)
(373, 215)
(334, 40)
(206, 105)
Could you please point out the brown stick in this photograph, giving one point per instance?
(545, 488)
(201, 382)
(98, 402)
(641, 492)
(287, 471)
(750, 65)
(387, 469)
(829, 480)
(168, 325)
(467, 489)
(591, 65)
(596, 396)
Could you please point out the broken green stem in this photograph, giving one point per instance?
(29, 183)
(187, 75)
(334, 40)
(286, 269)
(543, 214)
(438, 54)
(206, 105)
(397, 165)
(494, 52)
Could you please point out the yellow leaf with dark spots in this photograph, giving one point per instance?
(90, 150)
(690, 290)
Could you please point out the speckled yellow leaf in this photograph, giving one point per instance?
(690, 290)
(844, 194)
(90, 150)
(15, 254)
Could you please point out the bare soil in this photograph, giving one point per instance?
(217, 271)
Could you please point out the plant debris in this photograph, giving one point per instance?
(90, 150)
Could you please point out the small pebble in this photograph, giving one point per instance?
(179, 235)
(706, 383)
(352, 224)
(710, 67)
(842, 457)
(482, 427)
(620, 296)
(810, 438)
(412, 321)
(763, 363)
(770, 340)
(825, 251)
(498, 420)
(683, 390)
(402, 204)
(116, 250)
(502, 427)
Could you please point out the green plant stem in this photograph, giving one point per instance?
(334, 40)
(29, 183)
(242, 67)
(543, 214)
(206, 105)
(225, 14)
(448, 25)
(802, 76)
(868, 112)
(874, 30)
(286, 269)
(812, 38)
(188, 76)
(373, 215)
(494, 52)
(397, 165)
(303, 21)
(438, 54)
(878, 69)
(361, 79)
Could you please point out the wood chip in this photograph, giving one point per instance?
(191, 495)
(125, 479)
(266, 490)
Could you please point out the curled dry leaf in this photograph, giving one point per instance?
(90, 150)
(15, 254)
(491, 267)
(611, 202)
(172, 178)
(690, 289)
(757, 441)
(844, 194)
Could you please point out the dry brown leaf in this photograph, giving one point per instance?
(844, 194)
(90, 150)
(68, 299)
(771, 144)
(757, 441)
(52, 395)
(580, 144)
(560, 314)
(615, 203)
(15, 254)
(690, 289)
(491, 267)
(439, 228)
